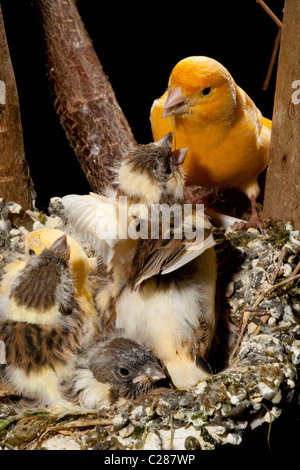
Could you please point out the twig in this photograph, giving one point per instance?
(174, 129)
(172, 429)
(73, 424)
(145, 434)
(79, 423)
(278, 265)
(270, 13)
(296, 270)
(245, 317)
(247, 314)
(264, 319)
(270, 424)
(276, 43)
(257, 311)
(285, 281)
(272, 61)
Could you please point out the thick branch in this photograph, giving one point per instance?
(15, 183)
(83, 97)
(282, 190)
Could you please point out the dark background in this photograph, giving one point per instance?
(138, 44)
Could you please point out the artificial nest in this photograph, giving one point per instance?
(255, 359)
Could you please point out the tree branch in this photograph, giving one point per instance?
(83, 97)
(15, 182)
(282, 189)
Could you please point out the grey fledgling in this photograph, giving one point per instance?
(113, 367)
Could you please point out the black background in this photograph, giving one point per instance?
(138, 44)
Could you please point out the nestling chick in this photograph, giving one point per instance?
(114, 367)
(80, 266)
(41, 325)
(227, 137)
(162, 289)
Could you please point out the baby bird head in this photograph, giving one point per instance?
(200, 88)
(128, 367)
(45, 281)
(151, 172)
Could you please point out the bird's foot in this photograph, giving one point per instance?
(255, 220)
(251, 223)
(197, 194)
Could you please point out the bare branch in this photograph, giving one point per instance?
(15, 183)
(83, 97)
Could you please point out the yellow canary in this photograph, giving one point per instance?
(227, 136)
(80, 265)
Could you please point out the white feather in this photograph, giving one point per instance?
(222, 220)
(191, 252)
(93, 395)
(98, 220)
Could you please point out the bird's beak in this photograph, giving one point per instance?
(176, 102)
(61, 246)
(179, 156)
(166, 141)
(153, 373)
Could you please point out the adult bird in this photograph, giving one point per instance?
(227, 136)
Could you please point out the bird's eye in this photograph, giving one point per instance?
(206, 91)
(123, 372)
(31, 252)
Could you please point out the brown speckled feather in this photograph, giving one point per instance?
(31, 346)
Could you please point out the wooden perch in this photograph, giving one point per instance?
(83, 97)
(15, 183)
(282, 190)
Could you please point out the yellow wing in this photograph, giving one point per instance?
(267, 123)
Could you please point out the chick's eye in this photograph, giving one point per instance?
(123, 372)
(31, 252)
(206, 91)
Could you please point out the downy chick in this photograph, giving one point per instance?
(113, 367)
(41, 325)
(80, 266)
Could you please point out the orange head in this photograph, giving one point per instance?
(200, 87)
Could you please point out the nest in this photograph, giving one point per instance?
(254, 358)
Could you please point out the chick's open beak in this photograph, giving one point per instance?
(179, 156)
(176, 102)
(167, 140)
(153, 373)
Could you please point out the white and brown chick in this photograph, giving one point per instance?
(110, 368)
(41, 326)
(161, 291)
